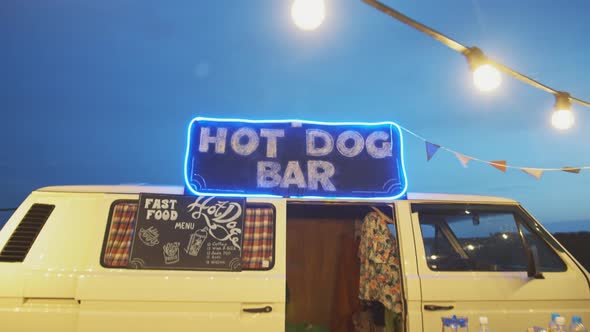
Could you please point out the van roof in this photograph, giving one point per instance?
(179, 190)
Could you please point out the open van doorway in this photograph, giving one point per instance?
(343, 271)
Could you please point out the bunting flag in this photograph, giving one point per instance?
(431, 150)
(571, 170)
(535, 172)
(463, 159)
(499, 164)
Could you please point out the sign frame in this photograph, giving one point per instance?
(190, 190)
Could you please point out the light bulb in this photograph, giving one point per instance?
(562, 119)
(486, 77)
(308, 14)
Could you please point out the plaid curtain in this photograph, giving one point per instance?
(257, 249)
(120, 235)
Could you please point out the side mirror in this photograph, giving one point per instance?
(533, 263)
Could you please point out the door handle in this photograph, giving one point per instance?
(432, 307)
(266, 309)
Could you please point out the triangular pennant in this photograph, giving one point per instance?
(499, 164)
(536, 172)
(463, 159)
(571, 170)
(431, 150)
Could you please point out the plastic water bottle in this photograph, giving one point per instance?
(577, 325)
(560, 324)
(454, 324)
(446, 327)
(552, 324)
(463, 324)
(483, 324)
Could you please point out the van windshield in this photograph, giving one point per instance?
(465, 237)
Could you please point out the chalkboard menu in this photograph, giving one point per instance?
(188, 233)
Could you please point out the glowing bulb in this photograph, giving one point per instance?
(308, 14)
(562, 119)
(486, 78)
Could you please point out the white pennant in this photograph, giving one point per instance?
(463, 159)
(536, 172)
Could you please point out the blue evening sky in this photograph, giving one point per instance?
(101, 92)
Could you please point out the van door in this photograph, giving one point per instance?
(472, 262)
(121, 299)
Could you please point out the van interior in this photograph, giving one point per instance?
(323, 267)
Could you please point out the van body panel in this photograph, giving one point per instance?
(151, 299)
(11, 281)
(54, 261)
(11, 273)
(62, 286)
(407, 251)
(138, 285)
(40, 315)
(411, 279)
(413, 317)
(175, 316)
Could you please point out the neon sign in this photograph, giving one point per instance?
(294, 158)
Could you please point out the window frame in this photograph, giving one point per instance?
(127, 201)
(521, 219)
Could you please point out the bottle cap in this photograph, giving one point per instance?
(577, 319)
(560, 320)
(553, 316)
(483, 320)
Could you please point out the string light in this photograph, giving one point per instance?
(485, 76)
(562, 117)
(308, 14)
(488, 76)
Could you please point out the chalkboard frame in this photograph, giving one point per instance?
(136, 201)
(228, 266)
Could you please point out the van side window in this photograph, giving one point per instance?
(437, 246)
(548, 260)
(480, 238)
(258, 241)
(257, 246)
(120, 233)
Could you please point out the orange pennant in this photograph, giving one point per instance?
(571, 170)
(463, 159)
(499, 164)
(535, 172)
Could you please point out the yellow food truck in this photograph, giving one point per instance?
(281, 225)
